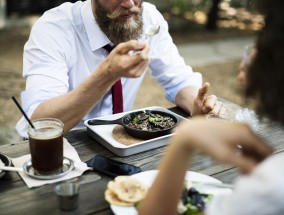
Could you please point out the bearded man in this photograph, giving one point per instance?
(71, 74)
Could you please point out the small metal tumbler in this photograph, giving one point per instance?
(68, 196)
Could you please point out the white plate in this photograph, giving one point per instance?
(103, 134)
(148, 177)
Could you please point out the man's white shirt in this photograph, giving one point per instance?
(65, 47)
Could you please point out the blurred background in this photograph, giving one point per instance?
(210, 35)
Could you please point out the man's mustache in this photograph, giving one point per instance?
(122, 12)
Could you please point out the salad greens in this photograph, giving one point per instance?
(192, 201)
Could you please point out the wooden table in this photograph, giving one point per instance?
(17, 198)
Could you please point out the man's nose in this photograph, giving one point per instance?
(127, 3)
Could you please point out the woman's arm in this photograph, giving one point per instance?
(216, 138)
(164, 195)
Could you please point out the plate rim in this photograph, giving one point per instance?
(156, 172)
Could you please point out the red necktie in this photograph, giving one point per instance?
(116, 90)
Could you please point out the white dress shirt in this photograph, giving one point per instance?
(261, 193)
(65, 47)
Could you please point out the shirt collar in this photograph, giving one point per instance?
(97, 38)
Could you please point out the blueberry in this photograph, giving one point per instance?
(192, 191)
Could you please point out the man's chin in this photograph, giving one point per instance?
(129, 24)
(125, 29)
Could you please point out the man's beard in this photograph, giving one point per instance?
(119, 31)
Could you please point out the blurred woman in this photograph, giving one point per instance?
(261, 190)
(248, 55)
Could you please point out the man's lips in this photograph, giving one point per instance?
(126, 16)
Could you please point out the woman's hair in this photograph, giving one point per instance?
(265, 79)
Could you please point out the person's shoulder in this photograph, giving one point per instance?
(274, 159)
(62, 16)
(57, 25)
(150, 8)
(150, 12)
(272, 170)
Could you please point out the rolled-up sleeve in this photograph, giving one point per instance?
(47, 59)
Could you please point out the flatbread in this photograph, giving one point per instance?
(128, 189)
(111, 198)
(120, 135)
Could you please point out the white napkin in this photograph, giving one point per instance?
(69, 152)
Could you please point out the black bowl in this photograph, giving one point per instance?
(145, 135)
(7, 162)
(134, 132)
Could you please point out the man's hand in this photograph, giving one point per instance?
(207, 104)
(121, 64)
(118, 64)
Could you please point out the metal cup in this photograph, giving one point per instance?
(68, 196)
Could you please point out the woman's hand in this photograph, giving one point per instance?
(226, 142)
(219, 139)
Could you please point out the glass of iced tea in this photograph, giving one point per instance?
(46, 146)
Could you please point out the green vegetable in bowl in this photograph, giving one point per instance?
(136, 120)
(151, 122)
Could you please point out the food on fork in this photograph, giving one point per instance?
(125, 191)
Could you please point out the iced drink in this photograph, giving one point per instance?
(46, 146)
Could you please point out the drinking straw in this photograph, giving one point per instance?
(20, 108)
